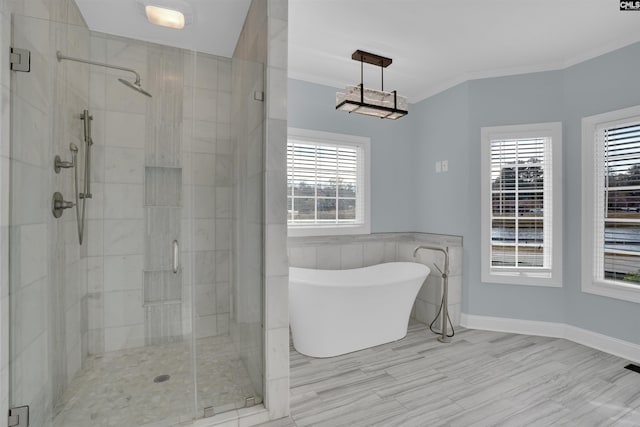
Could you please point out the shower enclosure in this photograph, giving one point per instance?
(155, 315)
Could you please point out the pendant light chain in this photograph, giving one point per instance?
(361, 80)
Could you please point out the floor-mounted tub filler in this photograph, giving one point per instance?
(334, 312)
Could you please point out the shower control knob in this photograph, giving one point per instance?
(58, 204)
(58, 164)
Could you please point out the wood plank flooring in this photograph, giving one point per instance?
(480, 379)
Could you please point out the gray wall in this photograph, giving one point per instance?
(447, 127)
(592, 87)
(529, 98)
(603, 84)
(312, 106)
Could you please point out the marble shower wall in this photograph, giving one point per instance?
(161, 286)
(47, 287)
(248, 160)
(162, 173)
(109, 301)
(117, 215)
(263, 40)
(208, 188)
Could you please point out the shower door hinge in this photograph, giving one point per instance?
(20, 59)
(258, 95)
(18, 417)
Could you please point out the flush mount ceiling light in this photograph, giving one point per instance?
(371, 102)
(165, 17)
(167, 13)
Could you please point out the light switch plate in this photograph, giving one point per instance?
(445, 165)
(438, 166)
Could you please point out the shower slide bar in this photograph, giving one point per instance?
(86, 194)
(444, 306)
(87, 118)
(58, 203)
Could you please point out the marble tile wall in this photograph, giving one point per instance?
(276, 263)
(68, 262)
(102, 282)
(162, 288)
(264, 40)
(48, 274)
(116, 226)
(208, 188)
(163, 171)
(247, 280)
(343, 252)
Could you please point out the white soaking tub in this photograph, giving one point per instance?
(335, 312)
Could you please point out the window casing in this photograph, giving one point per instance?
(611, 204)
(521, 203)
(327, 183)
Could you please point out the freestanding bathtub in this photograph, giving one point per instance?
(335, 312)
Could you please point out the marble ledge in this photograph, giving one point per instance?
(399, 237)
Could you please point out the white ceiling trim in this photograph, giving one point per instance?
(436, 45)
(552, 66)
(432, 90)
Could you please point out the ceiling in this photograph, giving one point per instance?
(215, 28)
(434, 44)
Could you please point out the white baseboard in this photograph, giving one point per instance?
(615, 346)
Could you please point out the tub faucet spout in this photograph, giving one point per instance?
(444, 338)
(444, 250)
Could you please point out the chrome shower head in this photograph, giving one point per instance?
(135, 86)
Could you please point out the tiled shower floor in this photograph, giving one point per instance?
(118, 388)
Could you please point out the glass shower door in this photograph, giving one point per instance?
(157, 317)
(33, 372)
(101, 333)
(139, 360)
(224, 209)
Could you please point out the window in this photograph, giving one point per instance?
(611, 204)
(522, 204)
(327, 183)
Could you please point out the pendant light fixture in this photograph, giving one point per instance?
(371, 102)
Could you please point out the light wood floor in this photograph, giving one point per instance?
(480, 379)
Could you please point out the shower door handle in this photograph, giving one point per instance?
(176, 254)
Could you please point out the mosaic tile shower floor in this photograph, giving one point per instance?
(118, 388)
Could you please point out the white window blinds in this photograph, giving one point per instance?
(617, 228)
(521, 203)
(325, 183)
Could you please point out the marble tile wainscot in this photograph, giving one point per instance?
(354, 251)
